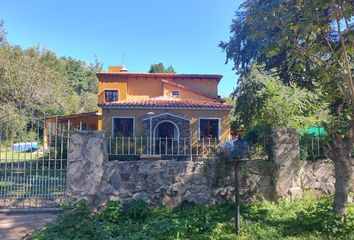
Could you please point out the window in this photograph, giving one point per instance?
(175, 93)
(123, 127)
(111, 95)
(209, 128)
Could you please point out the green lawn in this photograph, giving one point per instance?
(31, 163)
(26, 174)
(18, 156)
(6, 155)
(301, 219)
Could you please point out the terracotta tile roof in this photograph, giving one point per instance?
(162, 75)
(84, 114)
(164, 102)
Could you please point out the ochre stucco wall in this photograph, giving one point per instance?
(112, 83)
(206, 86)
(133, 88)
(183, 94)
(193, 114)
(136, 88)
(140, 88)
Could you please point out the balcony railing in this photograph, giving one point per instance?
(145, 146)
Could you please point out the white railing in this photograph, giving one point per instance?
(125, 146)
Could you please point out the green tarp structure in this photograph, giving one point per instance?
(316, 131)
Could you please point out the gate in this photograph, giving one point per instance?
(33, 160)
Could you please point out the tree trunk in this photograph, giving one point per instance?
(340, 152)
(343, 171)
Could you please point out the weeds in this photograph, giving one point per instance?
(300, 219)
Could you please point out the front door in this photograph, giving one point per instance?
(166, 130)
(166, 135)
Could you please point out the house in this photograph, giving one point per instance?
(160, 105)
(155, 106)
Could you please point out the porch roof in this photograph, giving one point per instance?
(164, 102)
(74, 115)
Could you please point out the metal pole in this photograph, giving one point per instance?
(237, 197)
(150, 135)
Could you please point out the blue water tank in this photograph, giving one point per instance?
(25, 146)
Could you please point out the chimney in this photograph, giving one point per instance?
(117, 69)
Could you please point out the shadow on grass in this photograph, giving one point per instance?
(308, 217)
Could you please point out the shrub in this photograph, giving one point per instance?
(137, 210)
(111, 212)
(300, 219)
(74, 223)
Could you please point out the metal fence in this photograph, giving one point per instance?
(312, 147)
(133, 148)
(33, 159)
(183, 148)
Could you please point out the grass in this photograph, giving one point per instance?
(32, 163)
(32, 177)
(301, 219)
(19, 156)
(33, 188)
(8, 155)
(27, 174)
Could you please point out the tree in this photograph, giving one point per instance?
(81, 76)
(234, 124)
(31, 78)
(264, 100)
(160, 68)
(37, 79)
(2, 33)
(310, 43)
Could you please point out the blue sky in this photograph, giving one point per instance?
(183, 33)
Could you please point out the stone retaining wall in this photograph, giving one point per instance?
(168, 182)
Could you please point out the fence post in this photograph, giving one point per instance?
(86, 159)
(285, 154)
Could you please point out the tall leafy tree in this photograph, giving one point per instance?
(81, 76)
(264, 100)
(37, 79)
(310, 43)
(160, 68)
(31, 77)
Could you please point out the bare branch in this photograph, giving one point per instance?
(348, 73)
(347, 26)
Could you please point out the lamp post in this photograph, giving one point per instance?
(237, 195)
(237, 152)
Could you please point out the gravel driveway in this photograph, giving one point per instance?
(18, 225)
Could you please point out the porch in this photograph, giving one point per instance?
(166, 134)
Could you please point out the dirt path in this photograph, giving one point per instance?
(19, 225)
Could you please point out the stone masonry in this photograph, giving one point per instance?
(182, 124)
(168, 182)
